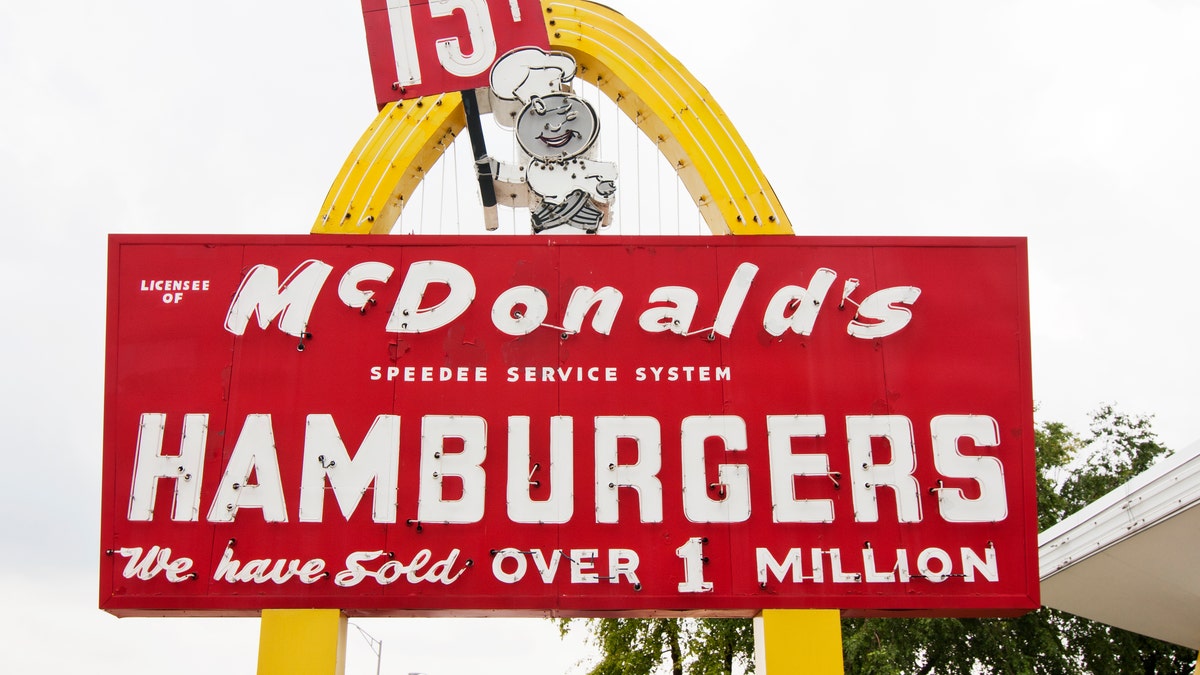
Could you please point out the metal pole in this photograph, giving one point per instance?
(375, 645)
(483, 166)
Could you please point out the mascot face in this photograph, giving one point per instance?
(557, 127)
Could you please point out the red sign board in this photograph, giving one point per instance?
(426, 47)
(568, 426)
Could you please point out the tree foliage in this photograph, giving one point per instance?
(1073, 470)
(677, 646)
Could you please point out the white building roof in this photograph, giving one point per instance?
(1131, 559)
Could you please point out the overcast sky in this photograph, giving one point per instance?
(1072, 123)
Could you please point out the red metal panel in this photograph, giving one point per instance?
(415, 26)
(964, 353)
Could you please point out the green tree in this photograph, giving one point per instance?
(717, 645)
(694, 646)
(1072, 472)
(634, 646)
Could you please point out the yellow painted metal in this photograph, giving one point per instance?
(302, 642)
(798, 642)
(674, 110)
(388, 164)
(648, 84)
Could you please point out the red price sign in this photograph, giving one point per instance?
(424, 47)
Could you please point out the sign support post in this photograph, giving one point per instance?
(483, 169)
(302, 642)
(798, 642)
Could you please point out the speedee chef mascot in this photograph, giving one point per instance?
(556, 175)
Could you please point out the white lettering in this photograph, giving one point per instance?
(560, 506)
(767, 563)
(642, 476)
(467, 465)
(326, 459)
(676, 318)
(479, 27)
(972, 564)
(945, 566)
(785, 466)
(583, 560)
(583, 299)
(409, 317)
(866, 476)
(155, 561)
(441, 572)
(348, 290)
(692, 554)
(518, 573)
(623, 562)
(520, 310)
(186, 468)
(263, 570)
(732, 487)
(881, 306)
(734, 298)
(254, 453)
(987, 472)
(261, 294)
(803, 303)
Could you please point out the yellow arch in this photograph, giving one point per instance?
(649, 85)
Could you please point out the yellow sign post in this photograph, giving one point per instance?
(302, 642)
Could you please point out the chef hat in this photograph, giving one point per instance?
(524, 73)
